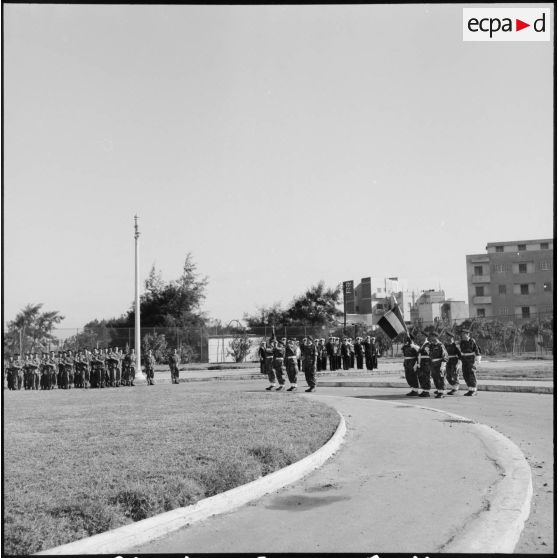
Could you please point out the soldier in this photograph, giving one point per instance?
(370, 353)
(26, 371)
(268, 365)
(470, 357)
(150, 368)
(77, 369)
(174, 362)
(69, 364)
(118, 370)
(13, 368)
(111, 361)
(309, 355)
(35, 371)
(438, 360)
(320, 350)
(351, 346)
(277, 363)
(424, 369)
(334, 360)
(290, 363)
(410, 357)
(359, 353)
(345, 356)
(261, 355)
(44, 372)
(453, 366)
(52, 364)
(132, 367)
(94, 363)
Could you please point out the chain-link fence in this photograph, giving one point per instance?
(503, 335)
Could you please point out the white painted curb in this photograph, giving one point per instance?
(146, 530)
(497, 529)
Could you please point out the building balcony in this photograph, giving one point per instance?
(482, 300)
(480, 259)
(480, 279)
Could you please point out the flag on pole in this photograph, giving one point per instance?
(392, 321)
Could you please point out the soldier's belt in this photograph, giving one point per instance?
(452, 356)
(468, 354)
(436, 359)
(269, 358)
(292, 357)
(277, 358)
(424, 357)
(407, 358)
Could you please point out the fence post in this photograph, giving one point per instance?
(201, 346)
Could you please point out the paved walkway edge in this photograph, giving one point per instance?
(480, 387)
(146, 530)
(497, 528)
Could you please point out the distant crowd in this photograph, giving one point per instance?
(96, 368)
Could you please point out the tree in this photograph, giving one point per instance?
(266, 316)
(239, 347)
(31, 329)
(317, 306)
(158, 344)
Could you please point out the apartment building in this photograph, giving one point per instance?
(513, 279)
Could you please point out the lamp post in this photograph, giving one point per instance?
(139, 378)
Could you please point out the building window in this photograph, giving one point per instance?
(544, 246)
(521, 247)
(544, 266)
(499, 268)
(547, 287)
(502, 289)
(479, 291)
(478, 270)
(503, 311)
(379, 290)
(522, 268)
(499, 248)
(524, 289)
(481, 313)
(525, 312)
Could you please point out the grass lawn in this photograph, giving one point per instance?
(80, 462)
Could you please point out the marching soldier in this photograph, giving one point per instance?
(410, 358)
(453, 366)
(150, 368)
(278, 357)
(268, 364)
(261, 354)
(174, 362)
(438, 360)
(470, 357)
(309, 355)
(424, 369)
(290, 363)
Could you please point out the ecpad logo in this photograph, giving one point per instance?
(506, 24)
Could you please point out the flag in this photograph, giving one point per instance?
(392, 321)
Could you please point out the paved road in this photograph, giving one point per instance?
(527, 419)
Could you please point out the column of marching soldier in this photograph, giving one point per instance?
(98, 368)
(311, 356)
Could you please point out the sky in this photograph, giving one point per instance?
(280, 145)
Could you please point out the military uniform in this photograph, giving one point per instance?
(345, 355)
(470, 357)
(423, 372)
(27, 371)
(290, 364)
(359, 353)
(15, 374)
(44, 372)
(111, 362)
(453, 366)
(370, 354)
(438, 359)
(35, 371)
(278, 358)
(410, 359)
(174, 362)
(150, 369)
(269, 367)
(309, 355)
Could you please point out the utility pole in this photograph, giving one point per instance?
(139, 374)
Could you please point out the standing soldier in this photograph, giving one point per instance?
(69, 362)
(44, 372)
(359, 353)
(12, 370)
(345, 356)
(290, 363)
(19, 364)
(424, 369)
(35, 371)
(102, 358)
(410, 358)
(111, 365)
(470, 357)
(452, 368)
(278, 357)
(150, 368)
(52, 368)
(95, 364)
(438, 360)
(133, 363)
(261, 355)
(370, 353)
(26, 371)
(78, 383)
(351, 346)
(309, 355)
(118, 371)
(174, 362)
(320, 349)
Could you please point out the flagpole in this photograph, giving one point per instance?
(139, 378)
